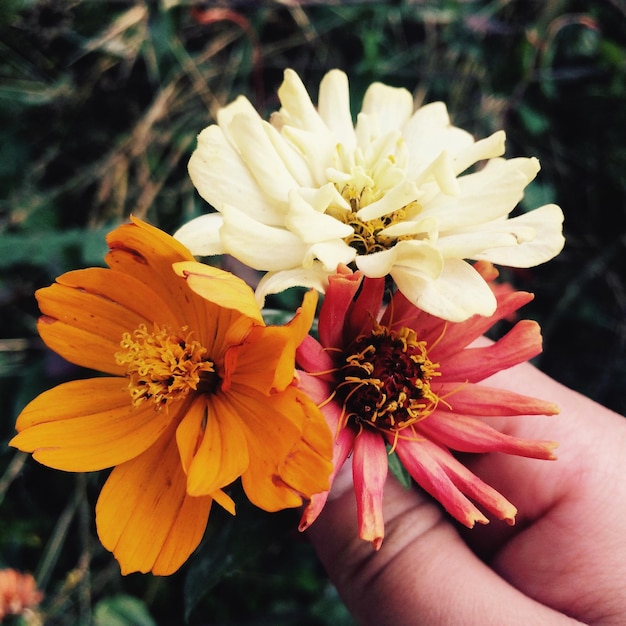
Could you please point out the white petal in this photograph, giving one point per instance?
(392, 106)
(393, 199)
(202, 235)
(310, 225)
(488, 148)
(314, 277)
(334, 107)
(220, 176)
(547, 223)
(330, 254)
(419, 255)
(265, 164)
(297, 109)
(426, 227)
(318, 150)
(456, 294)
(323, 197)
(428, 132)
(239, 106)
(484, 196)
(261, 247)
(442, 170)
(293, 159)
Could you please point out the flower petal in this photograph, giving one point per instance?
(202, 235)
(428, 473)
(369, 472)
(88, 425)
(456, 294)
(472, 399)
(333, 104)
(466, 434)
(391, 106)
(521, 343)
(314, 277)
(220, 288)
(266, 361)
(213, 167)
(144, 514)
(210, 440)
(546, 223)
(241, 236)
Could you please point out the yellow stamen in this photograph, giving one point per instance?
(164, 366)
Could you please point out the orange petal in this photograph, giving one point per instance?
(308, 466)
(144, 514)
(266, 360)
(88, 425)
(87, 312)
(147, 253)
(220, 287)
(273, 426)
(212, 443)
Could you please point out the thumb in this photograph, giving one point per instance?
(423, 574)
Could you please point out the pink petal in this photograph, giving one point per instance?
(365, 310)
(472, 399)
(342, 287)
(466, 434)
(369, 472)
(427, 472)
(313, 358)
(521, 343)
(457, 336)
(471, 485)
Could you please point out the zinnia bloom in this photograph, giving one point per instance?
(198, 392)
(18, 593)
(403, 380)
(385, 196)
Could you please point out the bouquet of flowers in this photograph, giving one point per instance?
(396, 223)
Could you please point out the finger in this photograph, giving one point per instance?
(423, 573)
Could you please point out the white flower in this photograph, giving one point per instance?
(394, 194)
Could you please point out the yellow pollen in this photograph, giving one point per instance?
(366, 236)
(386, 381)
(164, 366)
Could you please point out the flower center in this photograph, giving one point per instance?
(386, 380)
(164, 366)
(367, 235)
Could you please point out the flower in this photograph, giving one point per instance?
(407, 382)
(197, 392)
(18, 593)
(385, 195)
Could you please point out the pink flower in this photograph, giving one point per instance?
(18, 593)
(397, 379)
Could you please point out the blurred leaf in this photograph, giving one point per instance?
(399, 471)
(46, 247)
(122, 610)
(234, 543)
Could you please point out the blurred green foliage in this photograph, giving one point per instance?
(100, 103)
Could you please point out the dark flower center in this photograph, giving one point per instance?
(385, 381)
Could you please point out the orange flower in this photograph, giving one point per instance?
(18, 592)
(199, 393)
(398, 379)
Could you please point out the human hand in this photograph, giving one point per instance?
(563, 561)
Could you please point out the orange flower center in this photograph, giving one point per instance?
(164, 366)
(386, 380)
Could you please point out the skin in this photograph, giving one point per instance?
(564, 561)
